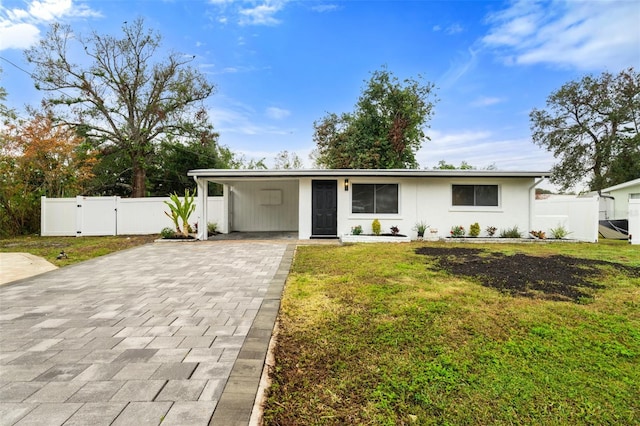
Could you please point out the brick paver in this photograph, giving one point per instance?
(168, 332)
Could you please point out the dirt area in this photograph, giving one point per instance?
(554, 277)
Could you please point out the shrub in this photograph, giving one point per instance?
(491, 230)
(420, 227)
(212, 228)
(559, 232)
(474, 230)
(167, 233)
(375, 227)
(539, 234)
(356, 230)
(511, 233)
(395, 230)
(457, 231)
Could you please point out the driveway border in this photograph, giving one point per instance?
(240, 394)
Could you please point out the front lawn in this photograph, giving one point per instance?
(410, 334)
(77, 249)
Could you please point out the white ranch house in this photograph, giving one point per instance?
(328, 203)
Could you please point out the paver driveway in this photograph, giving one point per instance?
(168, 332)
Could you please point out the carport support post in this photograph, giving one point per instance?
(202, 188)
(532, 200)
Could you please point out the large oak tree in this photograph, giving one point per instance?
(591, 126)
(120, 93)
(385, 130)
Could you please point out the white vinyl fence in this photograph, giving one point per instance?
(579, 216)
(92, 216)
(634, 221)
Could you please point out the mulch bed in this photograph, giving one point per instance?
(556, 277)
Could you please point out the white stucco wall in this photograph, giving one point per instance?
(428, 200)
(304, 213)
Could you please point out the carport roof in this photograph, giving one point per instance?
(408, 173)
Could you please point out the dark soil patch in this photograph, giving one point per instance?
(556, 277)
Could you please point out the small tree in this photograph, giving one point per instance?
(36, 159)
(384, 132)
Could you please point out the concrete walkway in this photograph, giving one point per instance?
(16, 266)
(169, 332)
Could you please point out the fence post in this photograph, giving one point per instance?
(43, 213)
(79, 216)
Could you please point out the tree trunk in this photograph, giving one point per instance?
(139, 183)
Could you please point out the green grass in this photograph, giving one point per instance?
(78, 249)
(369, 334)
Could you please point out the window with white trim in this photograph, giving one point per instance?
(474, 195)
(374, 198)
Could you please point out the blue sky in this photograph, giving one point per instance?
(281, 65)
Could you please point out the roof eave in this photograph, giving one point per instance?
(286, 173)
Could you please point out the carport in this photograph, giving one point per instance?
(251, 202)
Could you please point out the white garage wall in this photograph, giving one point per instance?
(264, 206)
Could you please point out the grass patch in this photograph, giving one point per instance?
(381, 335)
(77, 249)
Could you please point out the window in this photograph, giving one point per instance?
(474, 195)
(374, 198)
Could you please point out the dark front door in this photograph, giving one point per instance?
(324, 208)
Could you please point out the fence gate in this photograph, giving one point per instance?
(96, 216)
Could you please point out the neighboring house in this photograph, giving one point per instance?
(614, 201)
(328, 203)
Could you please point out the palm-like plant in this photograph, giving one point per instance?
(181, 210)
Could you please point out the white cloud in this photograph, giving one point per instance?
(277, 113)
(325, 8)
(20, 28)
(450, 30)
(237, 118)
(17, 36)
(454, 29)
(249, 12)
(482, 149)
(486, 101)
(587, 35)
(463, 63)
(262, 14)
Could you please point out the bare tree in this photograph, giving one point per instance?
(122, 94)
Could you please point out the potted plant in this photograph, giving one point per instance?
(420, 228)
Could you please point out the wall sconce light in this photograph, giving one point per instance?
(346, 184)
